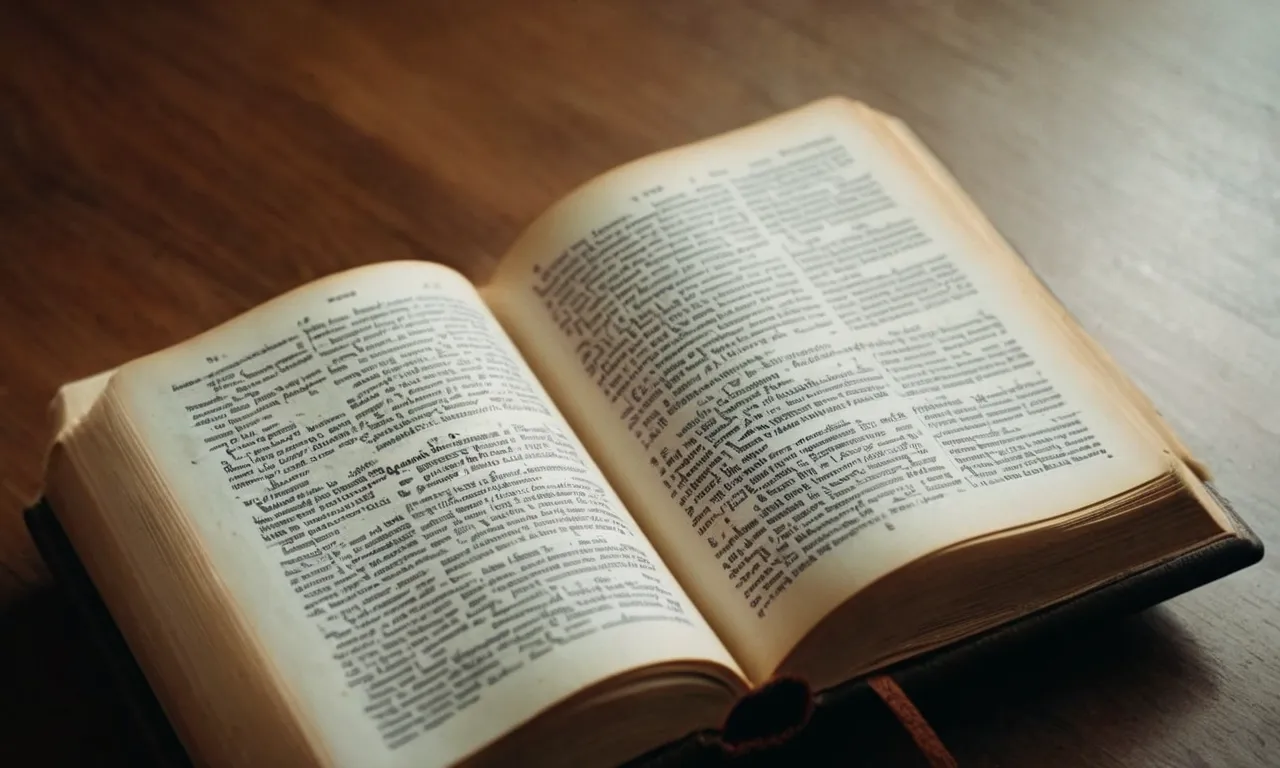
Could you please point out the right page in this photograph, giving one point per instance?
(801, 373)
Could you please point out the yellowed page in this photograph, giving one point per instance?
(426, 553)
(912, 151)
(168, 603)
(798, 376)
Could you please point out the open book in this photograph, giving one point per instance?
(781, 402)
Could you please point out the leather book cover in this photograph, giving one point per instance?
(785, 723)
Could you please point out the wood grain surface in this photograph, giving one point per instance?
(165, 166)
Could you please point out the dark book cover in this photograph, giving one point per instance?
(785, 723)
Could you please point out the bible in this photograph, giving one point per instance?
(781, 403)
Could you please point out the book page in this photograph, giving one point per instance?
(798, 375)
(909, 150)
(425, 550)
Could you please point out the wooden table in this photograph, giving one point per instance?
(164, 166)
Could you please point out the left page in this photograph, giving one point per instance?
(420, 542)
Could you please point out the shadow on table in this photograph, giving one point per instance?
(1123, 683)
(57, 707)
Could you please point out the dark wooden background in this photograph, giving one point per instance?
(164, 166)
